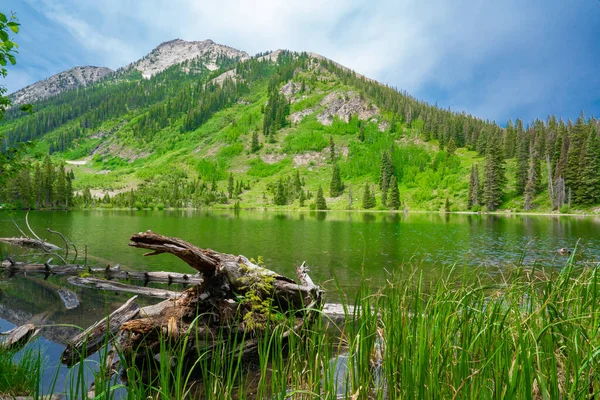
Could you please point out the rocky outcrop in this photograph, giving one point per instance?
(67, 80)
(178, 51)
(344, 106)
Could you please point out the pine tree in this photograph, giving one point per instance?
(255, 145)
(530, 187)
(473, 200)
(572, 173)
(48, 182)
(320, 202)
(302, 198)
(331, 149)
(368, 200)
(509, 139)
(280, 198)
(494, 178)
(61, 187)
(394, 202)
(69, 192)
(590, 174)
(522, 158)
(451, 148)
(336, 187)
(230, 185)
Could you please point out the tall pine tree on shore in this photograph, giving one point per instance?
(336, 187)
(494, 175)
(590, 172)
(394, 201)
(320, 202)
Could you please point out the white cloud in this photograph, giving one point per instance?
(463, 49)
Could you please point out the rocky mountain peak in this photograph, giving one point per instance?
(66, 80)
(178, 51)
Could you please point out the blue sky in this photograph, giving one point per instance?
(496, 60)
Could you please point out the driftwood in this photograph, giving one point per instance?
(30, 243)
(107, 272)
(94, 283)
(18, 337)
(230, 297)
(93, 338)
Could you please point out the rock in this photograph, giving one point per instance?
(63, 81)
(344, 106)
(178, 51)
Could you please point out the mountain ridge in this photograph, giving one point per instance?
(79, 76)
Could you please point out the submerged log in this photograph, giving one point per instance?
(30, 243)
(18, 337)
(107, 272)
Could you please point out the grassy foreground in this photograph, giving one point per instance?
(528, 335)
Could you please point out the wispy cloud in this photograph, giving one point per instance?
(493, 59)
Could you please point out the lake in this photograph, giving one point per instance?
(339, 247)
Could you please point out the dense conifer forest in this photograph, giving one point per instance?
(287, 131)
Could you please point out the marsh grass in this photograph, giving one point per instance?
(19, 372)
(528, 335)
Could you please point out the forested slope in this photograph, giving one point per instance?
(290, 130)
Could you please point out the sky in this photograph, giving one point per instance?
(493, 59)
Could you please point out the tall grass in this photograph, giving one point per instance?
(529, 335)
(19, 372)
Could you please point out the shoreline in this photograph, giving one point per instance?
(506, 213)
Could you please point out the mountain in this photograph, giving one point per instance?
(197, 124)
(178, 51)
(66, 80)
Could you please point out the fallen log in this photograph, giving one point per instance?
(30, 243)
(18, 337)
(234, 296)
(101, 284)
(93, 338)
(107, 272)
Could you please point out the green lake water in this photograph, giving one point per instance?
(340, 245)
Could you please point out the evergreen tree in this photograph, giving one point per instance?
(255, 145)
(522, 159)
(336, 187)
(572, 173)
(368, 200)
(473, 187)
(451, 148)
(61, 187)
(280, 198)
(532, 178)
(494, 178)
(302, 198)
(297, 182)
(331, 149)
(394, 202)
(320, 202)
(590, 174)
(509, 139)
(230, 185)
(47, 182)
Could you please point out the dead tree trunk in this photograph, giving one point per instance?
(235, 295)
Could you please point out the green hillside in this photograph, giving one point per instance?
(268, 132)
